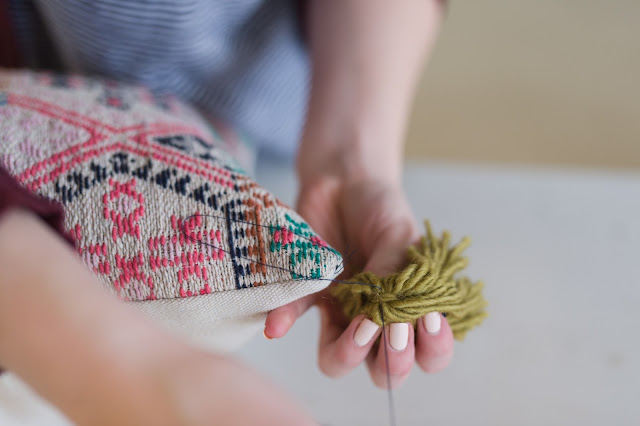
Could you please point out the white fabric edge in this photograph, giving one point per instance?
(227, 319)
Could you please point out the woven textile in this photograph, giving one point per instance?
(160, 211)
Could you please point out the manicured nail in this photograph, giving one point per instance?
(264, 333)
(399, 335)
(432, 322)
(365, 332)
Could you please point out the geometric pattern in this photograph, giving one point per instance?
(157, 206)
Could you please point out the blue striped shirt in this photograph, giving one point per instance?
(242, 61)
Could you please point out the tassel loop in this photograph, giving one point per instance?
(429, 283)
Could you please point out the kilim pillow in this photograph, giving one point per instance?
(159, 209)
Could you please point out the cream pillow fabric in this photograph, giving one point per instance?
(161, 210)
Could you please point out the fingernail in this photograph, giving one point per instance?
(399, 335)
(264, 333)
(365, 332)
(432, 322)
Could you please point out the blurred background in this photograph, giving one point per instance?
(542, 82)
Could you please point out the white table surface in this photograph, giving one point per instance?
(559, 252)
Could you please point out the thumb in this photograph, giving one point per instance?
(390, 250)
(280, 320)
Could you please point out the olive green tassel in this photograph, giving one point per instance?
(427, 284)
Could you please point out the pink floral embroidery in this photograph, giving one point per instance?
(124, 206)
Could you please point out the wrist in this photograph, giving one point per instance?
(35, 309)
(18, 248)
(60, 332)
(358, 151)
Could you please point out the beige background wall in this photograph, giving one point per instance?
(536, 82)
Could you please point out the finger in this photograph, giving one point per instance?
(434, 346)
(391, 249)
(396, 362)
(280, 320)
(341, 350)
(317, 204)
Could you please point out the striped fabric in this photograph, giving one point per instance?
(240, 60)
(30, 36)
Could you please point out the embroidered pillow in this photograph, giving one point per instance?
(160, 209)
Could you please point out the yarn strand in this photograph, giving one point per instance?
(430, 282)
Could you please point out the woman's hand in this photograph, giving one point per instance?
(371, 223)
(99, 360)
(366, 56)
(198, 388)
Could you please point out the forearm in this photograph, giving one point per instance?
(59, 331)
(367, 56)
